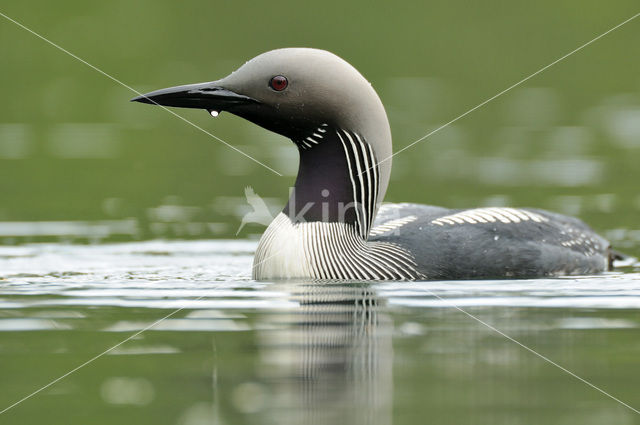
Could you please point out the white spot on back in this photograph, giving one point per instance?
(484, 215)
(391, 225)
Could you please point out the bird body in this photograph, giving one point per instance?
(335, 225)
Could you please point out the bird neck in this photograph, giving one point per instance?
(338, 180)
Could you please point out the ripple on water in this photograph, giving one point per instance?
(28, 324)
(214, 276)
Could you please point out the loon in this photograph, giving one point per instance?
(334, 226)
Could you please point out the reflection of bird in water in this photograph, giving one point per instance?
(260, 213)
(329, 361)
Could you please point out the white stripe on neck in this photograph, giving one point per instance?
(320, 250)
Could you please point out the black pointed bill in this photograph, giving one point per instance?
(209, 96)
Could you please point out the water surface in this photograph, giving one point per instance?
(79, 163)
(234, 351)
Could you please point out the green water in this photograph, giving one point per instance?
(198, 342)
(133, 203)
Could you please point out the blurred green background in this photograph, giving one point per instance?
(80, 163)
(88, 165)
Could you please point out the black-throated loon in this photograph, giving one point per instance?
(334, 226)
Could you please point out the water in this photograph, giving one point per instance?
(79, 163)
(205, 344)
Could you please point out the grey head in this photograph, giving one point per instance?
(293, 92)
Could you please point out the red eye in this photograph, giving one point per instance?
(278, 83)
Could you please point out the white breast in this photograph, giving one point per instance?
(281, 252)
(318, 250)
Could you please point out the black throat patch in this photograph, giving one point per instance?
(337, 180)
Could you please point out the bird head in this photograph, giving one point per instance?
(292, 92)
(288, 91)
